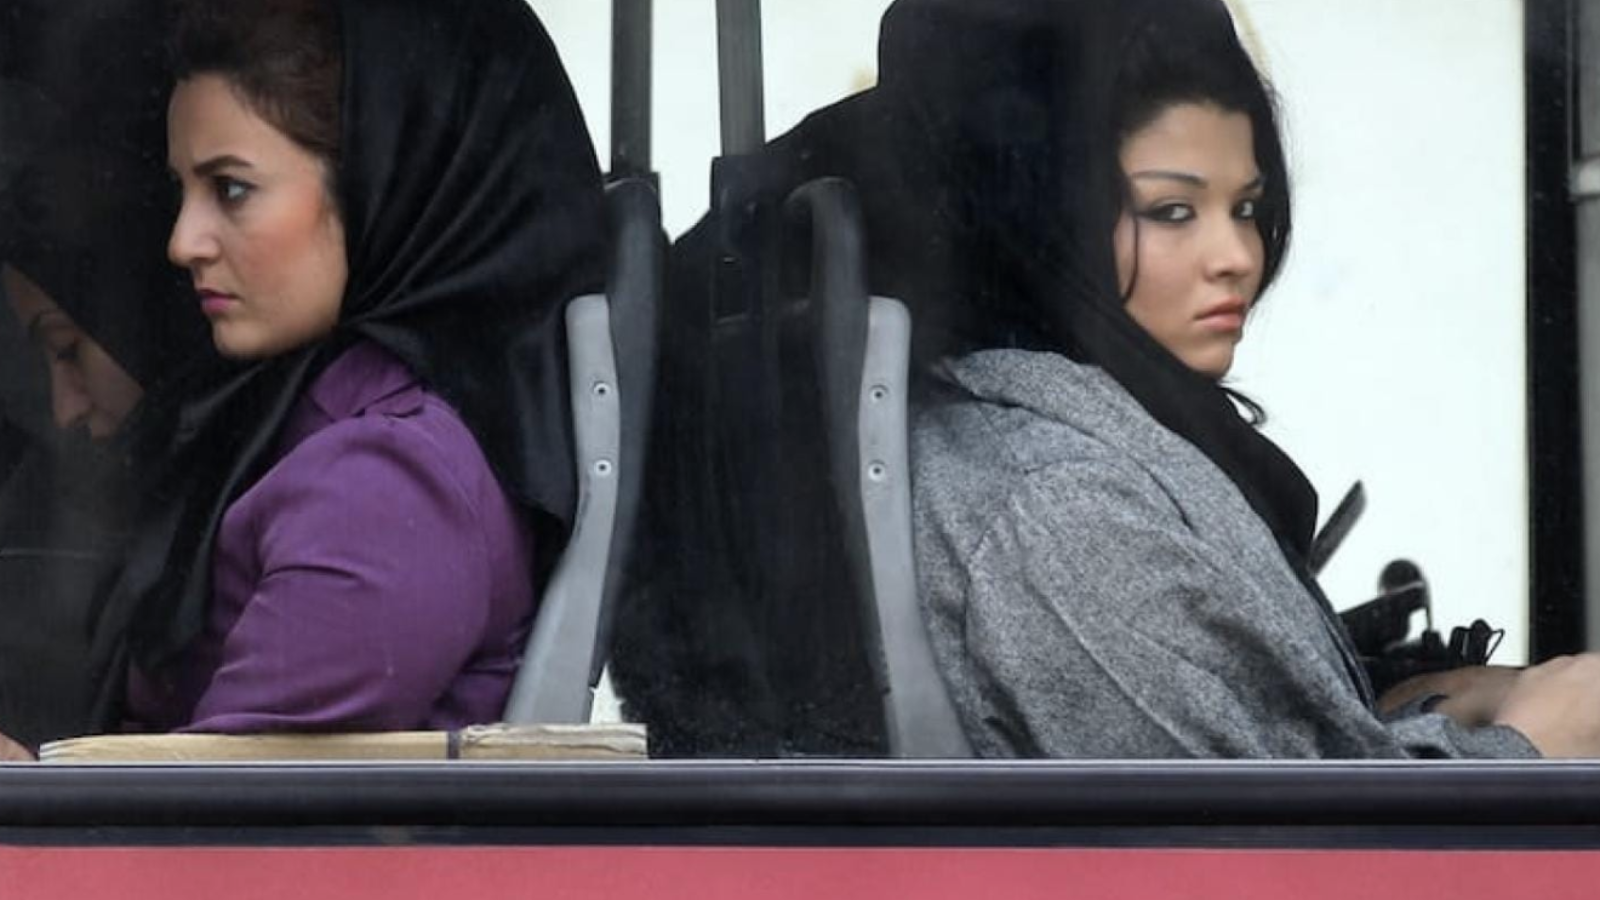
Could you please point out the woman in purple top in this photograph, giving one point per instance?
(385, 206)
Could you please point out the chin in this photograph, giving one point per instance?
(233, 346)
(251, 342)
(1214, 359)
(1212, 366)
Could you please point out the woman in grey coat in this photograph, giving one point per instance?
(1111, 556)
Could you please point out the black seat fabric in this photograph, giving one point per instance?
(740, 634)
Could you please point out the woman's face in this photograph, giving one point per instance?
(1189, 256)
(258, 230)
(87, 387)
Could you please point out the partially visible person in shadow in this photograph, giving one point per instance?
(382, 231)
(85, 205)
(63, 517)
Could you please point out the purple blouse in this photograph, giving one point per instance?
(375, 579)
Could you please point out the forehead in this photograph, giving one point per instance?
(207, 117)
(1197, 139)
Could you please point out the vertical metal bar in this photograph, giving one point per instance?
(631, 23)
(1588, 56)
(743, 101)
(1556, 504)
(1586, 200)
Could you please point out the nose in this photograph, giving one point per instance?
(191, 242)
(1234, 250)
(69, 400)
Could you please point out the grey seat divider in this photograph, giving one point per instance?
(922, 721)
(612, 348)
(863, 348)
(553, 684)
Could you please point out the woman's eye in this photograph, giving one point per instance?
(1168, 213)
(67, 353)
(232, 191)
(1247, 209)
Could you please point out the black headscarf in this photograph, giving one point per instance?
(472, 211)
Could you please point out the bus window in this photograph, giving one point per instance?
(1395, 351)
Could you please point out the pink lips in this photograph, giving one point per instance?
(1225, 316)
(214, 303)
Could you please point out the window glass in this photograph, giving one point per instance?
(1393, 352)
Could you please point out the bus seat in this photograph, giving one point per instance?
(772, 610)
(612, 355)
(862, 345)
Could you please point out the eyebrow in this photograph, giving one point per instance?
(217, 163)
(1191, 178)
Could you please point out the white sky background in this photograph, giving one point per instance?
(1393, 347)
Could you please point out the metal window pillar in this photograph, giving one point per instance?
(1585, 186)
(1556, 504)
(739, 65)
(631, 23)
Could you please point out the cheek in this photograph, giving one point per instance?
(327, 269)
(110, 388)
(297, 260)
(1124, 243)
(1159, 292)
(1164, 261)
(256, 256)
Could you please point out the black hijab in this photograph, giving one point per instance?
(472, 211)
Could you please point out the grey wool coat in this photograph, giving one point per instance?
(1097, 588)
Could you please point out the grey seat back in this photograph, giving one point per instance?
(863, 356)
(921, 718)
